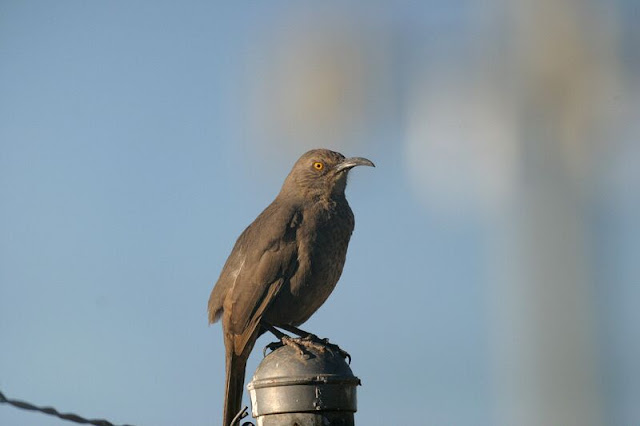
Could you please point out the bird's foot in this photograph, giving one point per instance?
(295, 343)
(304, 344)
(322, 345)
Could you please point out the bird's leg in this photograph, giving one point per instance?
(299, 332)
(279, 335)
(311, 340)
(283, 340)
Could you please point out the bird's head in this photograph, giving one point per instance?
(321, 173)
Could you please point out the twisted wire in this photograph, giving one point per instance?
(53, 412)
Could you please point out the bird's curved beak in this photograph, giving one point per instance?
(349, 163)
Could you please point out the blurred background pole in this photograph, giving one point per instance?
(545, 352)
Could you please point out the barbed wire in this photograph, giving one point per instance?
(53, 412)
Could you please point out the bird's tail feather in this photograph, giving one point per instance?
(234, 385)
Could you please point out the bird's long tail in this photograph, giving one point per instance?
(236, 365)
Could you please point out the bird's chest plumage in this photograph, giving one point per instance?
(328, 249)
(322, 239)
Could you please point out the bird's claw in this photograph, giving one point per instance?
(323, 345)
(298, 345)
(272, 347)
(303, 344)
(288, 341)
(333, 348)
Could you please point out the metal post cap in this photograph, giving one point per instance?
(288, 382)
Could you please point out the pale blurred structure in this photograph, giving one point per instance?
(309, 81)
(510, 116)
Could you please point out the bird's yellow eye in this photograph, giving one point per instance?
(318, 165)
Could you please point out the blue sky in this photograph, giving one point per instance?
(134, 152)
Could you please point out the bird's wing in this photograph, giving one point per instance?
(228, 277)
(269, 260)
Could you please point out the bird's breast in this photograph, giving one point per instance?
(322, 247)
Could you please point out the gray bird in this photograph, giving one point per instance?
(286, 263)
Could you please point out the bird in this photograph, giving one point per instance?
(285, 264)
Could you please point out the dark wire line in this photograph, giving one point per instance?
(53, 412)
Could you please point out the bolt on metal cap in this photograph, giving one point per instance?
(288, 382)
